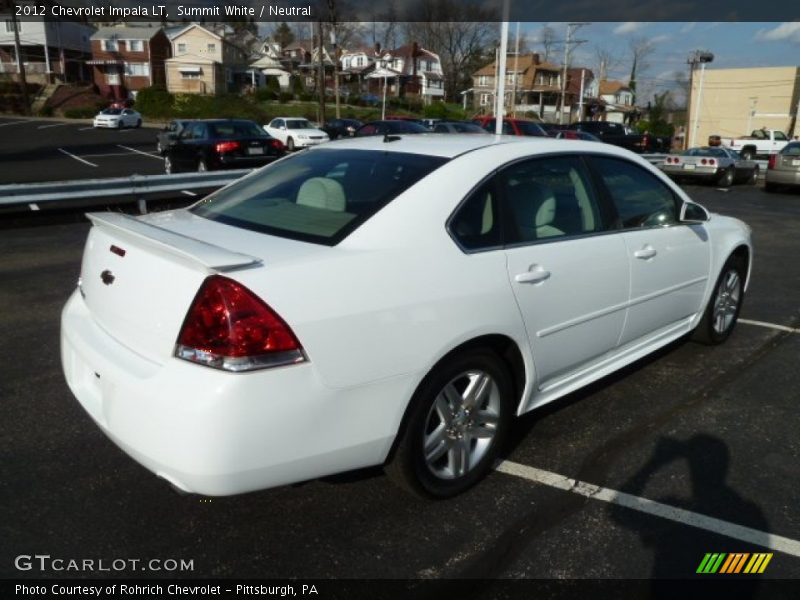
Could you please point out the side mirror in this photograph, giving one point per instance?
(693, 213)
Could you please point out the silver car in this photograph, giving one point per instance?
(784, 168)
(721, 166)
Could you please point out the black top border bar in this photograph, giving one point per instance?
(177, 11)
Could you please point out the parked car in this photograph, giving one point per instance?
(215, 144)
(458, 127)
(117, 118)
(512, 126)
(761, 142)
(389, 128)
(620, 135)
(430, 123)
(364, 303)
(336, 128)
(783, 168)
(568, 134)
(719, 165)
(295, 133)
(167, 136)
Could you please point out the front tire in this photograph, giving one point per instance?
(724, 305)
(290, 145)
(458, 420)
(754, 177)
(138, 123)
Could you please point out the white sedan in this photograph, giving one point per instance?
(388, 303)
(295, 133)
(117, 118)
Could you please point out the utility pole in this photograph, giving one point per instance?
(500, 100)
(332, 8)
(516, 76)
(571, 28)
(320, 76)
(580, 100)
(23, 82)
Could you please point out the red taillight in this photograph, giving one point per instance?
(712, 161)
(703, 161)
(773, 158)
(277, 144)
(229, 327)
(227, 146)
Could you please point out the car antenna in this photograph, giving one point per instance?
(391, 138)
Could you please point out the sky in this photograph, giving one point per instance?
(733, 44)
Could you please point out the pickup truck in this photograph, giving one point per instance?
(620, 135)
(762, 142)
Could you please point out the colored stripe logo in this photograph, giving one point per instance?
(733, 563)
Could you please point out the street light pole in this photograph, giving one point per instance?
(700, 57)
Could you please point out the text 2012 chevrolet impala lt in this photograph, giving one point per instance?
(386, 300)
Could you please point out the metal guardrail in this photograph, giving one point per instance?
(136, 188)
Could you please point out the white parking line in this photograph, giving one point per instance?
(679, 515)
(52, 125)
(33, 206)
(188, 193)
(769, 325)
(13, 123)
(91, 164)
(139, 152)
(85, 128)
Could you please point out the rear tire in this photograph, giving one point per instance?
(727, 178)
(138, 123)
(202, 167)
(723, 308)
(747, 154)
(754, 177)
(169, 166)
(457, 422)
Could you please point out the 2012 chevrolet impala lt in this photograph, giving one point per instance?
(391, 300)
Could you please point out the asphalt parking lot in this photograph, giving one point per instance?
(710, 434)
(37, 150)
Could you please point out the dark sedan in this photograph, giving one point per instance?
(390, 128)
(336, 128)
(221, 144)
(167, 136)
(458, 127)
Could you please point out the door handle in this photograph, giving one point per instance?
(536, 275)
(647, 252)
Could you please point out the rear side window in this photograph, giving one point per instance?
(476, 225)
(640, 198)
(320, 196)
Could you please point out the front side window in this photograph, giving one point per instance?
(780, 136)
(549, 198)
(640, 198)
(320, 196)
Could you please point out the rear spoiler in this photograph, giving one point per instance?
(170, 244)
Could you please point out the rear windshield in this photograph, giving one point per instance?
(236, 129)
(791, 150)
(320, 196)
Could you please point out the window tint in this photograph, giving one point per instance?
(641, 199)
(476, 225)
(530, 129)
(549, 198)
(791, 150)
(318, 196)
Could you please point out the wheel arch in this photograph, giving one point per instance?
(503, 346)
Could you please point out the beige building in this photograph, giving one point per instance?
(203, 62)
(734, 102)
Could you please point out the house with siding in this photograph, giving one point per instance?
(127, 59)
(205, 62)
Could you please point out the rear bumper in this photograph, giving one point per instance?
(782, 177)
(705, 173)
(216, 433)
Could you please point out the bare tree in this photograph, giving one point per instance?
(605, 62)
(547, 38)
(461, 46)
(640, 49)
